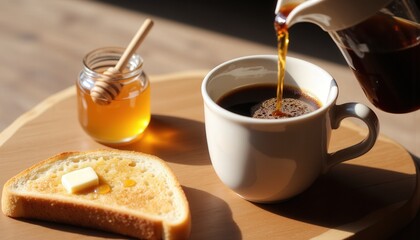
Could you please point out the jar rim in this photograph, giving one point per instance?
(106, 57)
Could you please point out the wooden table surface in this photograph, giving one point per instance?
(42, 44)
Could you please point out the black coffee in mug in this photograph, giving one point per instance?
(259, 101)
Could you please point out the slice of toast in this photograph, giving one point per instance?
(138, 195)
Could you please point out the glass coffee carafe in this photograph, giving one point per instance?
(380, 40)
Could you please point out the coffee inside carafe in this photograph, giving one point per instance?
(384, 54)
(380, 40)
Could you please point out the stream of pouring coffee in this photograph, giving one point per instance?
(282, 44)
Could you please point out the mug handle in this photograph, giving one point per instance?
(363, 113)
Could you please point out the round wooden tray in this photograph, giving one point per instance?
(369, 197)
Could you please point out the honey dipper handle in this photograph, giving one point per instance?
(134, 44)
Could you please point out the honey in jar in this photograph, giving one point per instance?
(127, 116)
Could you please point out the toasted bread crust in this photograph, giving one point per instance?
(78, 212)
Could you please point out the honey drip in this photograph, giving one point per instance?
(282, 45)
(103, 189)
(129, 183)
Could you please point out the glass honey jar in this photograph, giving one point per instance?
(126, 117)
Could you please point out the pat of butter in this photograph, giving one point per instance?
(79, 180)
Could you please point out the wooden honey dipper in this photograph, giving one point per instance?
(107, 88)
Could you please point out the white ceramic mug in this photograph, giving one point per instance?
(268, 160)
